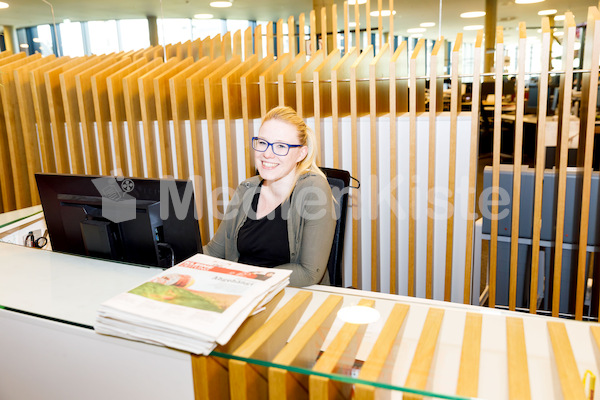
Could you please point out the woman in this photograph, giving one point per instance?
(284, 217)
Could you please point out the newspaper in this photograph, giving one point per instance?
(193, 306)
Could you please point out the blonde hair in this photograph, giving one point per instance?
(305, 135)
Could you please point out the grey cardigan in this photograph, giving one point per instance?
(311, 226)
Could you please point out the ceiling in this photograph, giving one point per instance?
(22, 13)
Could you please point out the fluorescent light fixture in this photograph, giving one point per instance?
(416, 35)
(353, 2)
(427, 24)
(559, 18)
(36, 40)
(203, 16)
(221, 4)
(472, 14)
(3, 4)
(358, 315)
(24, 46)
(416, 30)
(384, 13)
(547, 12)
(473, 27)
(527, 1)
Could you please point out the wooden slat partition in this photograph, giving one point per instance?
(416, 106)
(279, 37)
(16, 141)
(516, 195)
(116, 103)
(339, 354)
(475, 102)
(322, 90)
(496, 166)
(100, 94)
(164, 113)
(304, 85)
(379, 105)
(42, 112)
(22, 81)
(286, 89)
(564, 121)
(268, 83)
(251, 109)
(589, 98)
(149, 114)
(258, 47)
(540, 163)
(291, 36)
(518, 371)
(468, 373)
(133, 112)
(180, 110)
(455, 107)
(237, 44)
(359, 106)
(270, 44)
(436, 105)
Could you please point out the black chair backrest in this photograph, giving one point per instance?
(339, 181)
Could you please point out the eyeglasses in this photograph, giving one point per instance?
(279, 148)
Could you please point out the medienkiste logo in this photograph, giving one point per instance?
(117, 205)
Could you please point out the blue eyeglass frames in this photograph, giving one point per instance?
(279, 148)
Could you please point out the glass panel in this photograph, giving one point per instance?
(103, 37)
(134, 34)
(72, 41)
(203, 28)
(45, 39)
(174, 30)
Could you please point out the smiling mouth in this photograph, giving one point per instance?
(268, 164)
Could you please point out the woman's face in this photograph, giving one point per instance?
(272, 167)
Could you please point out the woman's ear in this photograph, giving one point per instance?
(302, 153)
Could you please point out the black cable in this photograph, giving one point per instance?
(168, 246)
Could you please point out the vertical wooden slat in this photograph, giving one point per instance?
(133, 112)
(322, 100)
(454, 110)
(334, 36)
(116, 102)
(586, 144)
(291, 36)
(416, 106)
(180, 110)
(566, 366)
(379, 363)
(346, 28)
(7, 191)
(475, 94)
(357, 26)
(380, 23)
(518, 371)
(313, 32)
(258, 44)
(540, 162)
(420, 367)
(359, 106)
(379, 69)
(42, 112)
(304, 86)
(435, 107)
(496, 165)
(301, 37)
(368, 24)
(270, 42)
(468, 373)
(398, 105)
(102, 112)
(269, 91)
(285, 79)
(391, 28)
(16, 141)
(516, 192)
(237, 44)
(226, 46)
(324, 29)
(562, 147)
(279, 37)
(248, 50)
(164, 113)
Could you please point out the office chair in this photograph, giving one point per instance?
(339, 180)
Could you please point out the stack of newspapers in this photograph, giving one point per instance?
(193, 306)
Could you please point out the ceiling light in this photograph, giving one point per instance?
(3, 4)
(221, 4)
(472, 14)
(24, 46)
(427, 24)
(473, 27)
(559, 18)
(353, 2)
(416, 30)
(36, 40)
(547, 12)
(384, 13)
(203, 16)
(527, 1)
(358, 315)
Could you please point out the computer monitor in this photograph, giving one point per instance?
(141, 221)
(531, 106)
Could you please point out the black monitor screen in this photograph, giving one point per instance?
(136, 220)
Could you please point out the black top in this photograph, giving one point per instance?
(264, 242)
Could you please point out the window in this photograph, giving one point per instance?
(45, 39)
(103, 37)
(134, 34)
(174, 30)
(72, 41)
(203, 28)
